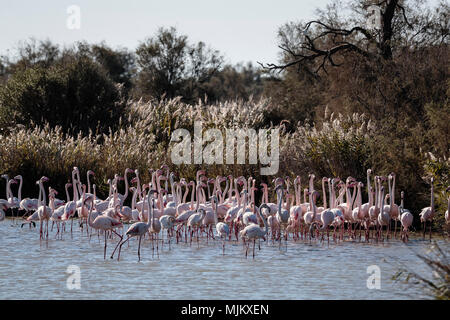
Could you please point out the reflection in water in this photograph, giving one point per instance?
(33, 269)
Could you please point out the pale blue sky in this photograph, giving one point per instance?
(242, 30)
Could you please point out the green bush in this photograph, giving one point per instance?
(78, 96)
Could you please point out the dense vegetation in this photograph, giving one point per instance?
(345, 101)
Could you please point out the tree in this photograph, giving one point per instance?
(118, 63)
(78, 96)
(390, 70)
(325, 41)
(169, 66)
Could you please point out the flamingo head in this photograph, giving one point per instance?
(45, 179)
(91, 173)
(13, 181)
(279, 188)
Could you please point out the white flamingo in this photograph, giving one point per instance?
(138, 229)
(427, 214)
(406, 219)
(223, 230)
(254, 231)
(102, 223)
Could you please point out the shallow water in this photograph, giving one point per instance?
(34, 269)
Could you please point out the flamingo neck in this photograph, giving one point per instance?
(67, 193)
(150, 212)
(376, 195)
(369, 190)
(125, 195)
(74, 186)
(9, 194)
(280, 199)
(133, 200)
(89, 183)
(432, 197)
(193, 195)
(20, 189)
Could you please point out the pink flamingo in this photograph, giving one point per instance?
(427, 214)
(44, 212)
(254, 231)
(406, 219)
(138, 229)
(223, 230)
(103, 223)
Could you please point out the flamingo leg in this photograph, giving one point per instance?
(254, 243)
(120, 248)
(104, 251)
(139, 248)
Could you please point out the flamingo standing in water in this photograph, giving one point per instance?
(384, 219)
(138, 229)
(282, 214)
(44, 212)
(406, 219)
(5, 204)
(195, 221)
(102, 222)
(254, 231)
(223, 230)
(26, 204)
(427, 214)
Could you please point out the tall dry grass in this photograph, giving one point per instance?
(341, 145)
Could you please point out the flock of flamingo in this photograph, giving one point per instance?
(154, 210)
